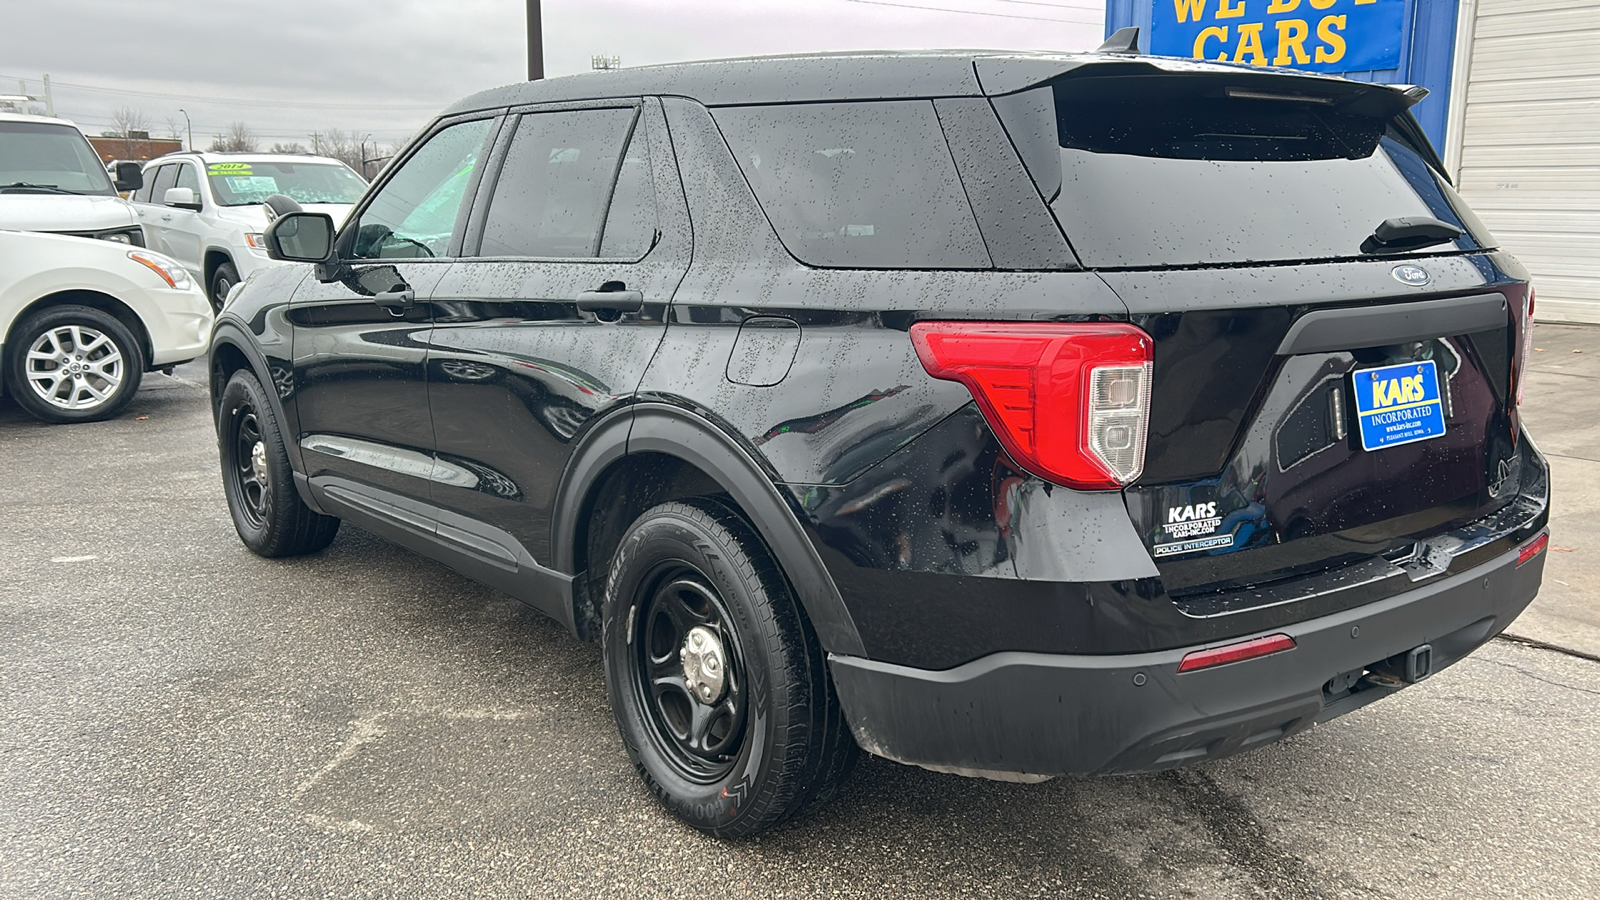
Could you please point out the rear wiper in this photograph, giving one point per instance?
(1404, 233)
(24, 186)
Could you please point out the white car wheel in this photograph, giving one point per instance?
(73, 364)
(75, 367)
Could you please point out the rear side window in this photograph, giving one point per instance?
(561, 176)
(857, 185)
(1189, 170)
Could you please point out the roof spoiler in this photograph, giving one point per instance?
(1123, 40)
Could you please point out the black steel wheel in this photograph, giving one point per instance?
(689, 673)
(716, 678)
(267, 511)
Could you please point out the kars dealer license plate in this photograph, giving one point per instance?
(1398, 404)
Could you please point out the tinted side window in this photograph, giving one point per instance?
(166, 177)
(414, 214)
(555, 184)
(187, 178)
(630, 228)
(860, 185)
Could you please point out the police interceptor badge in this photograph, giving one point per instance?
(1194, 526)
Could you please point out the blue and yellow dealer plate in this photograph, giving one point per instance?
(1398, 404)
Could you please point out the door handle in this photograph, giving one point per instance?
(167, 218)
(396, 302)
(611, 301)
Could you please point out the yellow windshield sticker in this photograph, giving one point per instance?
(233, 168)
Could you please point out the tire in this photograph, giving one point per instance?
(267, 511)
(70, 364)
(280, 204)
(733, 753)
(222, 281)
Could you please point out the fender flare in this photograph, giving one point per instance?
(228, 331)
(652, 427)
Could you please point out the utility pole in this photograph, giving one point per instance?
(49, 99)
(535, 42)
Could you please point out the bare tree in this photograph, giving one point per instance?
(133, 126)
(172, 128)
(126, 120)
(338, 144)
(293, 147)
(238, 139)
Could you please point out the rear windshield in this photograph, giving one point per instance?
(245, 183)
(857, 185)
(49, 158)
(1185, 170)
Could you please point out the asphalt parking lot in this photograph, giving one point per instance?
(180, 718)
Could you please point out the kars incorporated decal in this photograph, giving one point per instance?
(1320, 35)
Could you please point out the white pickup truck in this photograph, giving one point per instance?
(51, 180)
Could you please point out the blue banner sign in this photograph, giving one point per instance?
(1320, 35)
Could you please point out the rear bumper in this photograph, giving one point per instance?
(1034, 714)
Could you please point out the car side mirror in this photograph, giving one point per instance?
(182, 198)
(301, 237)
(130, 176)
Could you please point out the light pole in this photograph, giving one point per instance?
(535, 42)
(364, 155)
(189, 129)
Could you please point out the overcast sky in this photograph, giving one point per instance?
(290, 67)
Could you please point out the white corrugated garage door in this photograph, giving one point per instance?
(1530, 144)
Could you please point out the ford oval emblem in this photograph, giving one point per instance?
(1416, 276)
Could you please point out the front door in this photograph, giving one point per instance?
(360, 342)
(184, 229)
(551, 318)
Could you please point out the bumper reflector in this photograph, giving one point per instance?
(1229, 653)
(1533, 548)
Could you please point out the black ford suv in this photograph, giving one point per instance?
(1009, 415)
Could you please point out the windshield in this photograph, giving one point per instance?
(244, 183)
(1184, 171)
(51, 156)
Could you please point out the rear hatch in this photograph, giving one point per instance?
(1328, 389)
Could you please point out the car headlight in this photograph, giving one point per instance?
(256, 242)
(174, 275)
(133, 236)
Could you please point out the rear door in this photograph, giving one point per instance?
(579, 240)
(154, 216)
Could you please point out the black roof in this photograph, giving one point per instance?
(844, 76)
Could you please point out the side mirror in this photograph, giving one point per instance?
(301, 237)
(182, 198)
(130, 176)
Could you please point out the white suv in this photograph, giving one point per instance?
(82, 321)
(51, 180)
(207, 210)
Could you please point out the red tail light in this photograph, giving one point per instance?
(1251, 649)
(1069, 401)
(1527, 346)
(1533, 548)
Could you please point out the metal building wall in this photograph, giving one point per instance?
(1527, 151)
